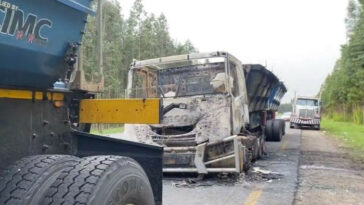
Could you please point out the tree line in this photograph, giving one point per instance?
(285, 107)
(343, 89)
(142, 35)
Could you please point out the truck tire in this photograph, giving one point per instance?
(277, 131)
(102, 180)
(317, 127)
(261, 147)
(269, 130)
(283, 127)
(27, 180)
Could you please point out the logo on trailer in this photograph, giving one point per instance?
(16, 23)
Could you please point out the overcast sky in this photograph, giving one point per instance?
(299, 39)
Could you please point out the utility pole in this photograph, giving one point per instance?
(99, 45)
(100, 37)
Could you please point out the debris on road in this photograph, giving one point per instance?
(259, 174)
(256, 174)
(192, 183)
(223, 179)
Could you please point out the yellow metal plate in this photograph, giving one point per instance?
(28, 95)
(130, 111)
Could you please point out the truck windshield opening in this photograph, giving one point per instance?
(180, 81)
(307, 102)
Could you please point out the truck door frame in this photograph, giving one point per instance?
(239, 106)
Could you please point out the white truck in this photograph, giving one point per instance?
(305, 112)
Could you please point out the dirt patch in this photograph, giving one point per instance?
(327, 173)
(354, 154)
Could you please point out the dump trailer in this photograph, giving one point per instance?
(47, 154)
(305, 112)
(265, 92)
(216, 111)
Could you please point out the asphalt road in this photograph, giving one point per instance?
(307, 168)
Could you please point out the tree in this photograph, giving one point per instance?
(343, 88)
(140, 36)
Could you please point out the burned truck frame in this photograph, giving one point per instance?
(208, 123)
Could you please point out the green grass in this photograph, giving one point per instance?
(350, 133)
(108, 131)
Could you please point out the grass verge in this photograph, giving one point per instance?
(351, 134)
(108, 131)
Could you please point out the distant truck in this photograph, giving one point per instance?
(305, 112)
(217, 113)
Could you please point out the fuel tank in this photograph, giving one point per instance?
(34, 38)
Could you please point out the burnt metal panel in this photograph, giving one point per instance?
(148, 156)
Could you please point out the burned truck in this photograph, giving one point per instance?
(214, 118)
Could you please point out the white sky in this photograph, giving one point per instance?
(299, 39)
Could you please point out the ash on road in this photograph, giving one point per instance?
(307, 167)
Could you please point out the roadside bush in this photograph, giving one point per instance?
(358, 115)
(354, 114)
(337, 116)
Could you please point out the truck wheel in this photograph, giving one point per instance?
(283, 127)
(102, 180)
(277, 131)
(27, 180)
(261, 147)
(269, 130)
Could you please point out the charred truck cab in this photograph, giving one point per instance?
(47, 154)
(206, 120)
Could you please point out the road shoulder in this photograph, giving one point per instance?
(327, 174)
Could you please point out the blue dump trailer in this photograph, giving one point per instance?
(47, 154)
(265, 92)
(34, 38)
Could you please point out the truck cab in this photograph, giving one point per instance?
(201, 96)
(305, 112)
(204, 103)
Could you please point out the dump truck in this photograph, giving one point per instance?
(305, 112)
(47, 154)
(217, 113)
